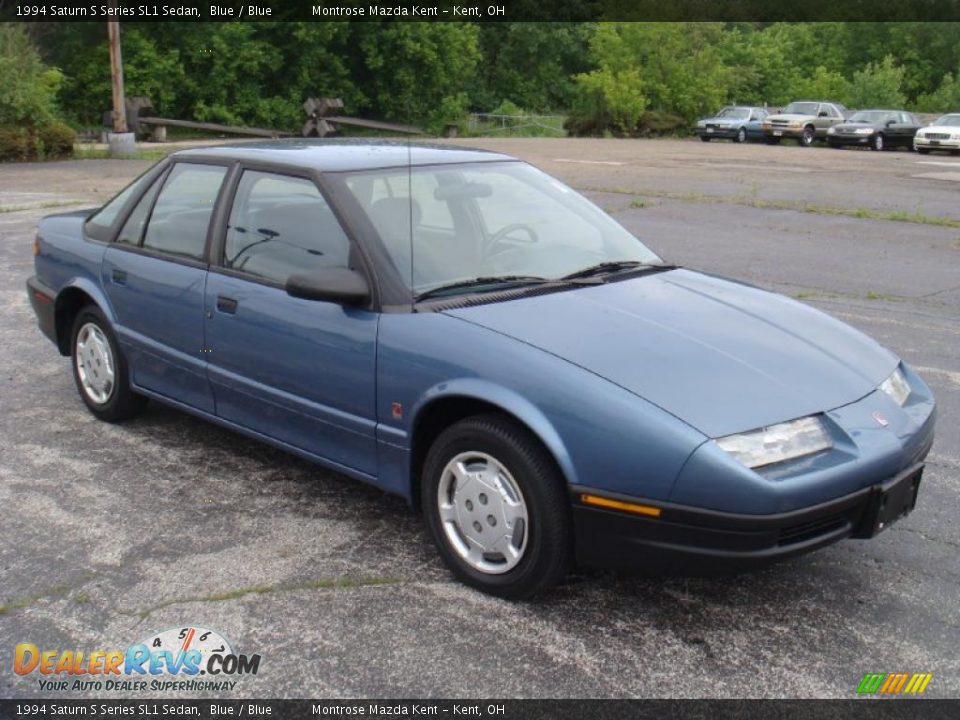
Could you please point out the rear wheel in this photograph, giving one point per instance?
(100, 370)
(808, 136)
(496, 507)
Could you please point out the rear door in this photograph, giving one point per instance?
(827, 117)
(154, 275)
(298, 371)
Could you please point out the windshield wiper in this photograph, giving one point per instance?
(495, 282)
(616, 266)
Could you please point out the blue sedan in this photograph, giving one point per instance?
(734, 122)
(463, 330)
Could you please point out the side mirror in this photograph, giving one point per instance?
(334, 284)
(891, 122)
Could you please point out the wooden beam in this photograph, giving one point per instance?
(216, 127)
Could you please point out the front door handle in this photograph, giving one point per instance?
(226, 305)
(119, 276)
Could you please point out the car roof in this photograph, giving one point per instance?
(343, 155)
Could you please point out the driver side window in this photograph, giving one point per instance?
(281, 225)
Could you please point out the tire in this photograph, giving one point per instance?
(528, 496)
(808, 136)
(922, 151)
(878, 142)
(741, 136)
(704, 138)
(99, 369)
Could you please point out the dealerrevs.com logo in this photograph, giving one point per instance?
(188, 659)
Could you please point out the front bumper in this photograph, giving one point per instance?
(685, 540)
(43, 300)
(779, 133)
(922, 142)
(723, 133)
(850, 139)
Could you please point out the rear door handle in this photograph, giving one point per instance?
(119, 276)
(226, 305)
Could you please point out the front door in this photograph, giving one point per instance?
(298, 371)
(154, 274)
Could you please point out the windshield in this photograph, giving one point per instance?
(734, 113)
(953, 120)
(483, 220)
(871, 116)
(801, 108)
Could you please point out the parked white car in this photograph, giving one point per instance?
(942, 134)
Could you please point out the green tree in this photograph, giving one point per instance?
(28, 87)
(417, 72)
(946, 98)
(823, 84)
(877, 85)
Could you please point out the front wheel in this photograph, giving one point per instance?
(496, 507)
(741, 135)
(877, 143)
(704, 138)
(100, 370)
(922, 151)
(808, 136)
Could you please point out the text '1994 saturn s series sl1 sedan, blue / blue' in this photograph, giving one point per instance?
(460, 328)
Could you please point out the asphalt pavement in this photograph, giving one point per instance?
(111, 534)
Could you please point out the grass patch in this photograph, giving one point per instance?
(41, 206)
(24, 602)
(750, 200)
(237, 593)
(91, 153)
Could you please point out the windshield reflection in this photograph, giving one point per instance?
(446, 224)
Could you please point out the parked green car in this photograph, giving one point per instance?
(803, 121)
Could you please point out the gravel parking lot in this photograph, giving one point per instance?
(111, 533)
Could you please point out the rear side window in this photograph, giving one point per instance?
(132, 231)
(180, 218)
(99, 224)
(281, 225)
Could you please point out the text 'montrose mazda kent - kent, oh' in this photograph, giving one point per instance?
(461, 329)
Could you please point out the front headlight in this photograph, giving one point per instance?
(864, 131)
(896, 387)
(778, 443)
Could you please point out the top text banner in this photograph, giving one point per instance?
(483, 11)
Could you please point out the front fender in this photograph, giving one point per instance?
(508, 400)
(601, 435)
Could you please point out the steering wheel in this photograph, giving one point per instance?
(496, 244)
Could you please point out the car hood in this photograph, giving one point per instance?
(856, 125)
(791, 117)
(721, 356)
(940, 129)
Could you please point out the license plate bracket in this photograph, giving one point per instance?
(890, 501)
